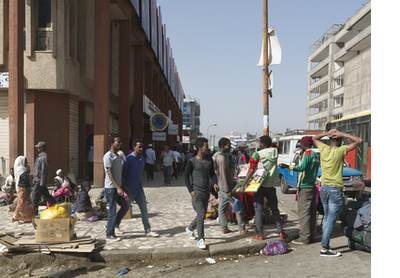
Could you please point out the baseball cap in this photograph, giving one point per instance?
(150, 145)
(41, 144)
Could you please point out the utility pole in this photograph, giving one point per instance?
(265, 72)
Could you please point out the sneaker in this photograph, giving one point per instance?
(152, 234)
(118, 231)
(297, 241)
(190, 233)
(227, 231)
(258, 237)
(283, 235)
(201, 244)
(329, 253)
(246, 232)
(113, 238)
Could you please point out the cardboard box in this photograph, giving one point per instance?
(54, 230)
(129, 214)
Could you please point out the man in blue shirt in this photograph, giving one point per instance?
(132, 178)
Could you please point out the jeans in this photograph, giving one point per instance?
(150, 171)
(39, 191)
(167, 174)
(272, 201)
(332, 199)
(114, 219)
(224, 201)
(199, 204)
(140, 199)
(307, 213)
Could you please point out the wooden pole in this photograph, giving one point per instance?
(265, 72)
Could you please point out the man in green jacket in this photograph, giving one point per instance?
(306, 190)
(268, 156)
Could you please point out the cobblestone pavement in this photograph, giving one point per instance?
(170, 212)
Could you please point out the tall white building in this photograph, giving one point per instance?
(191, 121)
(339, 71)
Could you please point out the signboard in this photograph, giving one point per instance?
(173, 129)
(158, 122)
(159, 136)
(186, 139)
(3, 79)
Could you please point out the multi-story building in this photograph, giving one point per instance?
(191, 122)
(339, 71)
(73, 70)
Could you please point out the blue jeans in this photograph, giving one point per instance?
(332, 199)
(114, 219)
(140, 199)
(167, 174)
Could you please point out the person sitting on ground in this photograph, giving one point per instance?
(84, 209)
(10, 181)
(8, 198)
(60, 180)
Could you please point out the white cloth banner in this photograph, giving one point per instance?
(274, 50)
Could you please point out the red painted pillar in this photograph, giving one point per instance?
(16, 80)
(124, 75)
(101, 86)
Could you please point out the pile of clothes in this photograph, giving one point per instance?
(356, 224)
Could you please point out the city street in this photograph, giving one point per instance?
(173, 254)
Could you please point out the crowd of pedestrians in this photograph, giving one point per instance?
(210, 179)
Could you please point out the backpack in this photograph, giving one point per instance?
(275, 248)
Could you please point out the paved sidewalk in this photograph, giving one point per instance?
(170, 212)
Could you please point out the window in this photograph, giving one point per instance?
(319, 107)
(338, 116)
(321, 89)
(317, 124)
(338, 82)
(44, 29)
(338, 101)
(186, 108)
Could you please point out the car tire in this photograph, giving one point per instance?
(284, 186)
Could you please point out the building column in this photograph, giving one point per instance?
(138, 88)
(102, 60)
(124, 92)
(16, 80)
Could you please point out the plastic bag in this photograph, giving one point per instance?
(275, 248)
(55, 212)
(237, 206)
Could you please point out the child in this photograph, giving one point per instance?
(84, 209)
(8, 198)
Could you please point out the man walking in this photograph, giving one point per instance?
(168, 160)
(307, 191)
(113, 164)
(150, 160)
(268, 156)
(226, 184)
(132, 178)
(177, 160)
(201, 170)
(40, 177)
(332, 181)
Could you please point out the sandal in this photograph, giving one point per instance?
(246, 232)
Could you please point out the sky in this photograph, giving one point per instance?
(217, 45)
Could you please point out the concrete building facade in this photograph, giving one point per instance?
(339, 71)
(72, 70)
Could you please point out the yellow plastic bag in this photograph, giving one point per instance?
(55, 212)
(67, 206)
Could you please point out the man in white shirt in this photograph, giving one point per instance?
(178, 159)
(168, 160)
(150, 159)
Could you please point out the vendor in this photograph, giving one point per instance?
(60, 180)
(84, 209)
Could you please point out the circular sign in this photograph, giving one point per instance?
(159, 121)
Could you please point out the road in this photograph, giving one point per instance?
(301, 261)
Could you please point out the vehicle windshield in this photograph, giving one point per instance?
(296, 159)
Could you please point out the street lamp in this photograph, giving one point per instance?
(208, 128)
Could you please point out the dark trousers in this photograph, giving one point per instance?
(272, 201)
(39, 191)
(199, 204)
(150, 171)
(175, 173)
(307, 213)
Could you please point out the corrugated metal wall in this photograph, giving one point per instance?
(4, 135)
(73, 137)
